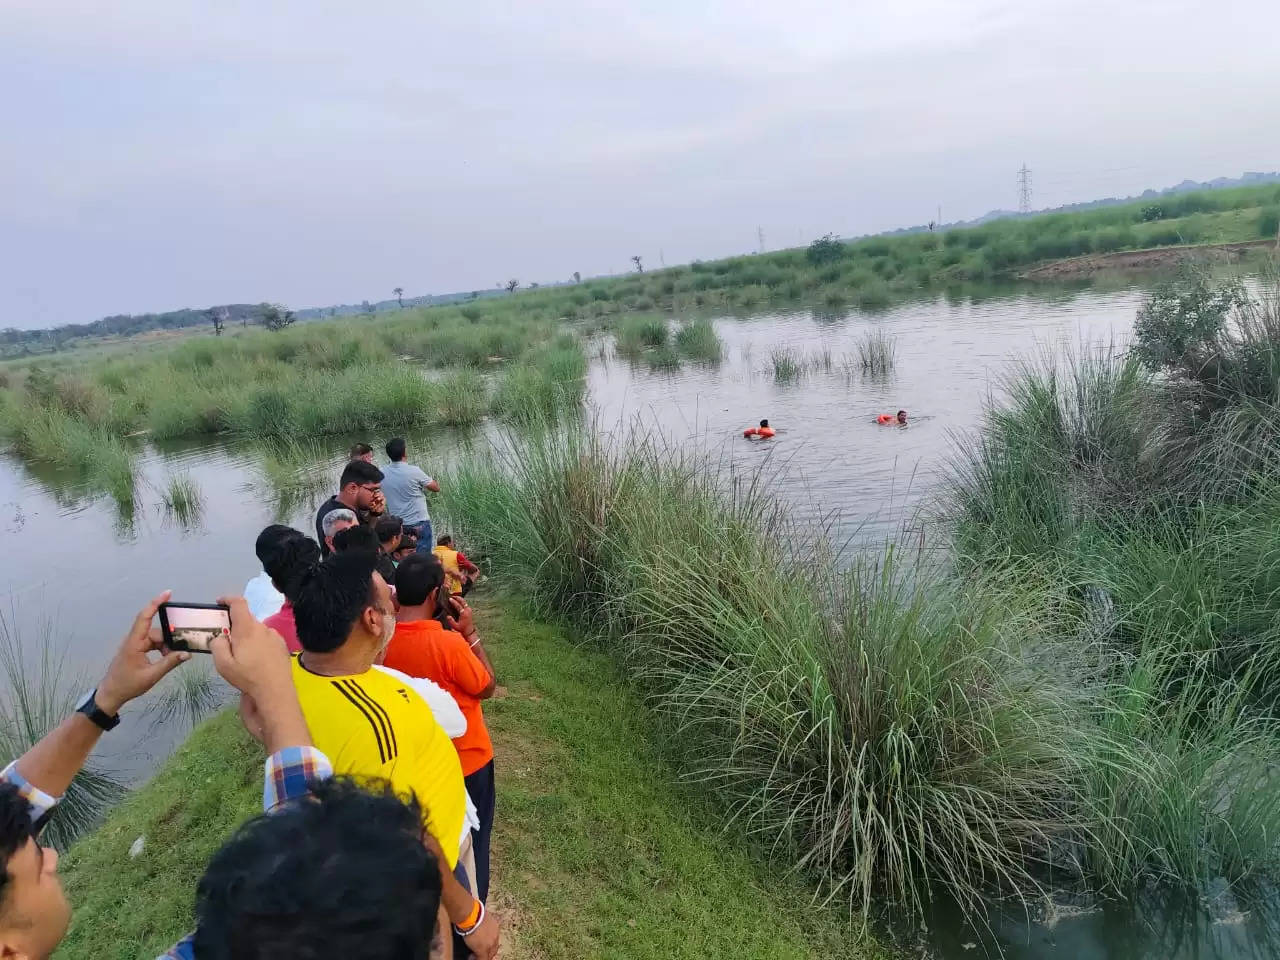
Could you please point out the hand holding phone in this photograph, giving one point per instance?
(192, 626)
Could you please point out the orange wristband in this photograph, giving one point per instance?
(472, 918)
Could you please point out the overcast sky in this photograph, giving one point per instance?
(167, 153)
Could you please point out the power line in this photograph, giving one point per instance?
(1024, 189)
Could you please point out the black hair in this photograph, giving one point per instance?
(395, 448)
(359, 472)
(15, 831)
(359, 450)
(444, 540)
(764, 423)
(285, 556)
(407, 542)
(416, 577)
(902, 413)
(342, 874)
(355, 538)
(269, 540)
(388, 527)
(329, 598)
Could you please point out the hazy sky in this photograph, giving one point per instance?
(167, 153)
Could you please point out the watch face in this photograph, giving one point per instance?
(85, 701)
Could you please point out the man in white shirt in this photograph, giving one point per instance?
(405, 488)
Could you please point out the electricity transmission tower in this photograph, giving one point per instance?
(760, 237)
(1024, 189)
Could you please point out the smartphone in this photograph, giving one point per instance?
(191, 626)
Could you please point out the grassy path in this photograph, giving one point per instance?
(597, 854)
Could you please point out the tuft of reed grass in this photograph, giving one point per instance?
(182, 499)
(636, 334)
(699, 341)
(188, 695)
(786, 364)
(880, 729)
(877, 351)
(665, 358)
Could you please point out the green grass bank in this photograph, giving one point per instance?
(597, 852)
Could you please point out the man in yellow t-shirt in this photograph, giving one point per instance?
(372, 724)
(458, 570)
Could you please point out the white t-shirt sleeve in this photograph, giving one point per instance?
(443, 707)
(422, 477)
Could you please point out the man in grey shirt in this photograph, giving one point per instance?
(405, 487)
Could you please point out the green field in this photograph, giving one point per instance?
(597, 853)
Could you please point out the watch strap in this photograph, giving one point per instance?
(95, 713)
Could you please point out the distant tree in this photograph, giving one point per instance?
(218, 317)
(275, 317)
(1153, 212)
(512, 284)
(365, 307)
(826, 249)
(333, 311)
(534, 285)
(399, 292)
(639, 265)
(577, 277)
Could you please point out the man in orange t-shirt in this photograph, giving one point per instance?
(455, 660)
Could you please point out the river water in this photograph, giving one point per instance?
(78, 571)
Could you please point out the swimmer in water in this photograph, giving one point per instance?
(887, 418)
(763, 432)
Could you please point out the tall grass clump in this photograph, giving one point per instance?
(464, 399)
(182, 499)
(41, 692)
(187, 695)
(544, 388)
(877, 351)
(786, 364)
(878, 729)
(636, 334)
(1143, 485)
(699, 341)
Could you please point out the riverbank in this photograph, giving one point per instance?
(597, 852)
(1151, 259)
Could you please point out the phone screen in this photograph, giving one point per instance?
(192, 626)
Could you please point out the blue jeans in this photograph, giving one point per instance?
(426, 541)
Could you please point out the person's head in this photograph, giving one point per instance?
(395, 449)
(334, 522)
(902, 416)
(355, 538)
(444, 540)
(34, 912)
(362, 451)
(284, 553)
(417, 580)
(407, 547)
(343, 602)
(359, 483)
(342, 874)
(389, 530)
(764, 423)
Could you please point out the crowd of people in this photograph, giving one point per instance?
(364, 682)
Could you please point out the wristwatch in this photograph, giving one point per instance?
(89, 707)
